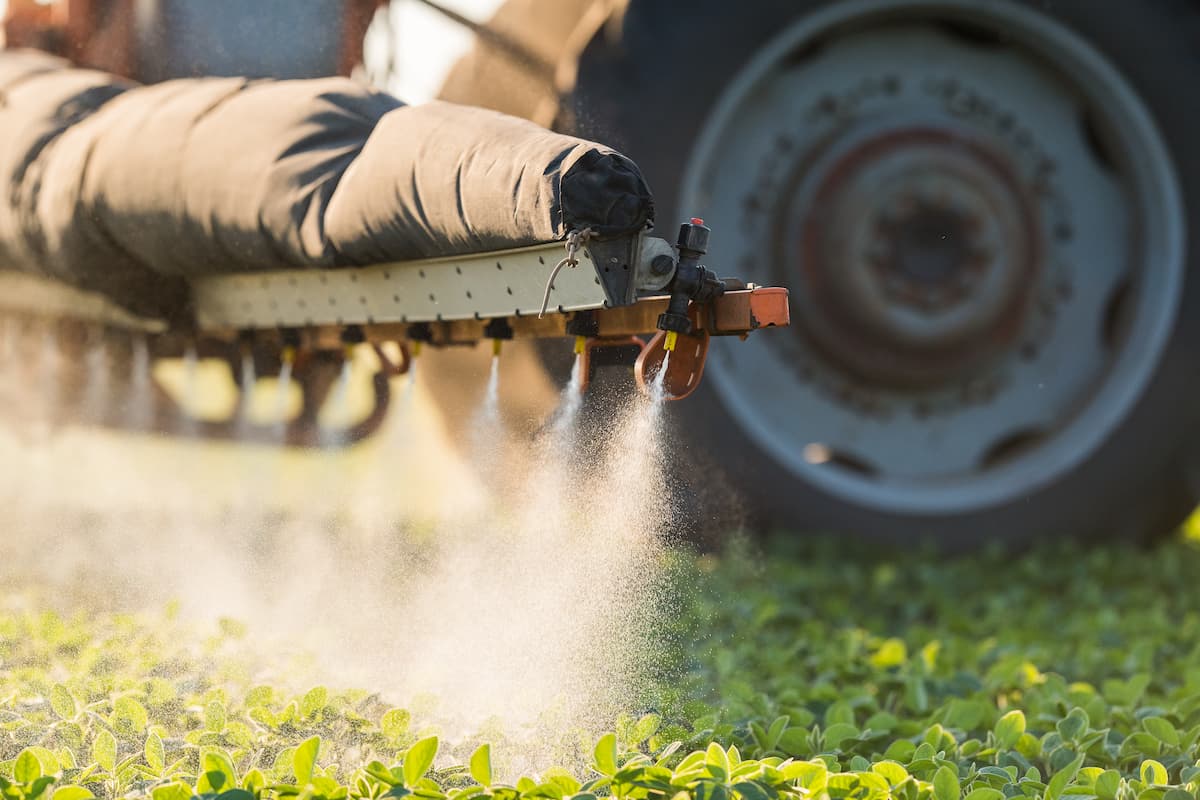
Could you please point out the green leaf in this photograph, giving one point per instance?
(214, 716)
(895, 774)
(644, 728)
(481, 765)
(812, 776)
(985, 793)
(1162, 730)
(794, 742)
(1074, 725)
(215, 760)
(419, 759)
(51, 763)
(668, 751)
(605, 755)
(716, 756)
(965, 715)
(235, 794)
(841, 711)
(171, 791)
(27, 768)
(1058, 783)
(304, 760)
(314, 700)
(38, 787)
(61, 702)
(1107, 784)
(155, 755)
(104, 751)
(837, 733)
(945, 784)
(255, 781)
(1009, 729)
(71, 792)
(211, 782)
(711, 790)
(1153, 773)
(378, 771)
(129, 716)
(751, 790)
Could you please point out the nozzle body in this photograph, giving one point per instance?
(693, 281)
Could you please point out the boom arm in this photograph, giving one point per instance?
(619, 288)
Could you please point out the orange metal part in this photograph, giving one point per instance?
(393, 369)
(748, 310)
(685, 367)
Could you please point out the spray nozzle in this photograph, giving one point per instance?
(498, 330)
(291, 345)
(418, 334)
(351, 338)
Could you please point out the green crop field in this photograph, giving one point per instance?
(801, 671)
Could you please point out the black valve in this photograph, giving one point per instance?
(420, 332)
(585, 323)
(290, 338)
(498, 328)
(692, 281)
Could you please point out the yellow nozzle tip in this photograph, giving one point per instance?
(288, 355)
(670, 341)
(348, 351)
(497, 344)
(580, 344)
(416, 348)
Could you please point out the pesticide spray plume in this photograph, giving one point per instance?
(513, 584)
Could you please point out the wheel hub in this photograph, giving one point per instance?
(918, 251)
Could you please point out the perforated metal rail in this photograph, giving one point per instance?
(505, 284)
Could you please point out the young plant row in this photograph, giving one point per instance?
(715, 773)
(1064, 674)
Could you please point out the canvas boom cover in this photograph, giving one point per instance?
(129, 190)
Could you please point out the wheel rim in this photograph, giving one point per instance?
(984, 238)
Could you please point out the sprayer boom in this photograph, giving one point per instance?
(606, 294)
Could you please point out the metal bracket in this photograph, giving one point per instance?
(616, 264)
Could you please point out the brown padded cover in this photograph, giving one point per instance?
(127, 189)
